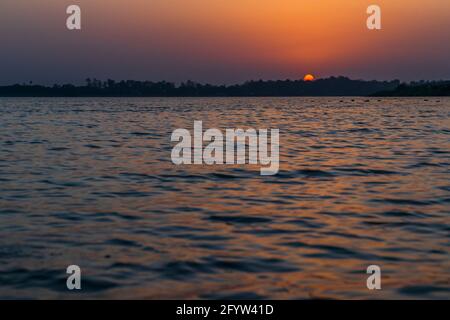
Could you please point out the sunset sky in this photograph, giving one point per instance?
(222, 41)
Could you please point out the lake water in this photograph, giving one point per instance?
(90, 182)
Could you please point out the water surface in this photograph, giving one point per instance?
(90, 182)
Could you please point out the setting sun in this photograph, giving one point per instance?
(308, 77)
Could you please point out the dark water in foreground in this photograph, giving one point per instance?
(90, 182)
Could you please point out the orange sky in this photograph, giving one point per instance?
(223, 40)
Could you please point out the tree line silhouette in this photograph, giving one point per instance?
(333, 86)
(418, 89)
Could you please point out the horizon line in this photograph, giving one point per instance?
(179, 83)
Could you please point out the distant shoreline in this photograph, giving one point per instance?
(371, 98)
(329, 87)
